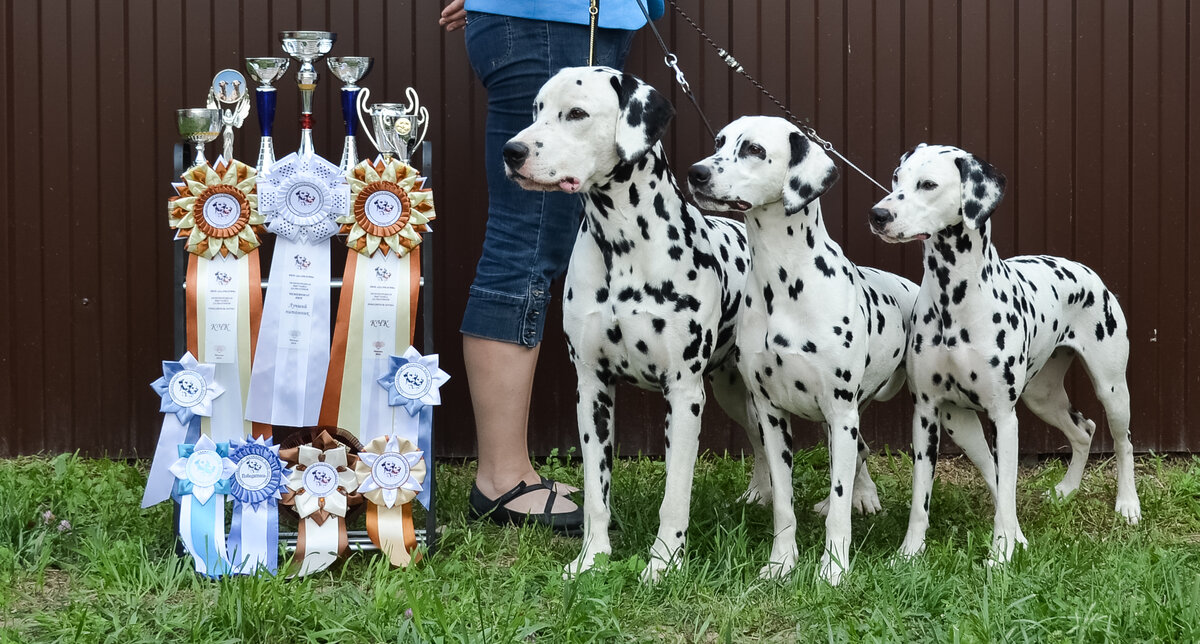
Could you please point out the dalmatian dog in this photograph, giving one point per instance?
(652, 290)
(988, 331)
(818, 336)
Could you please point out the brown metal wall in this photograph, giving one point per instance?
(1090, 108)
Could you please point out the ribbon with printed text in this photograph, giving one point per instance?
(215, 209)
(390, 208)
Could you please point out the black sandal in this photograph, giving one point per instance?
(566, 523)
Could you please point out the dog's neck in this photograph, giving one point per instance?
(961, 264)
(774, 235)
(639, 201)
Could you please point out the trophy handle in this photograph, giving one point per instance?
(423, 123)
(360, 107)
(414, 103)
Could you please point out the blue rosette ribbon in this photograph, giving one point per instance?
(202, 476)
(187, 389)
(258, 481)
(413, 382)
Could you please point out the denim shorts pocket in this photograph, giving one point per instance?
(489, 40)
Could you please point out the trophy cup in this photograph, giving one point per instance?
(265, 71)
(350, 69)
(306, 47)
(230, 95)
(199, 126)
(395, 124)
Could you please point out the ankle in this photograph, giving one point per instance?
(493, 483)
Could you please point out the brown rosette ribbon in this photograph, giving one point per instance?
(322, 489)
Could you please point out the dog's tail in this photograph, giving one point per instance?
(892, 386)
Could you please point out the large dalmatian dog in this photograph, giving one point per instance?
(987, 332)
(818, 336)
(652, 291)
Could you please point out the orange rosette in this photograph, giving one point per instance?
(390, 207)
(216, 209)
(322, 490)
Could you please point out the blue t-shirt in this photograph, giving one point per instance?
(614, 14)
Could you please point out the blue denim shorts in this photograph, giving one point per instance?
(529, 234)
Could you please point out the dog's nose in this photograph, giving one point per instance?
(699, 174)
(881, 217)
(515, 154)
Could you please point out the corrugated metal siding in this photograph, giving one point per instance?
(1090, 109)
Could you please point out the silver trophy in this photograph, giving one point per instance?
(306, 47)
(199, 126)
(265, 71)
(230, 94)
(398, 128)
(350, 70)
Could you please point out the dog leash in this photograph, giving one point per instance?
(671, 61)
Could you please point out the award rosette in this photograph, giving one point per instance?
(216, 211)
(188, 390)
(390, 207)
(412, 384)
(202, 481)
(259, 478)
(390, 473)
(301, 197)
(321, 488)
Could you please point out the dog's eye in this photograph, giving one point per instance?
(926, 185)
(719, 143)
(753, 150)
(576, 114)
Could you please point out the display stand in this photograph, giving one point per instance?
(358, 539)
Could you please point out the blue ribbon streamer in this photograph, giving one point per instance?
(247, 501)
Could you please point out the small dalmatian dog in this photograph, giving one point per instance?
(652, 290)
(988, 331)
(818, 336)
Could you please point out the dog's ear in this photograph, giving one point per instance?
(982, 189)
(810, 173)
(643, 117)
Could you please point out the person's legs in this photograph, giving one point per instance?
(528, 243)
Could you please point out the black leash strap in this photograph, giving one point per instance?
(808, 130)
(672, 61)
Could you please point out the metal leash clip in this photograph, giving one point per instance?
(672, 61)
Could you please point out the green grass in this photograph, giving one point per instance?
(1087, 577)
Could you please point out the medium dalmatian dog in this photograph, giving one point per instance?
(818, 336)
(988, 331)
(652, 291)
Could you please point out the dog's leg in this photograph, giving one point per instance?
(686, 399)
(1047, 399)
(731, 394)
(963, 426)
(866, 495)
(1115, 398)
(594, 412)
(1006, 530)
(925, 439)
(772, 424)
(843, 456)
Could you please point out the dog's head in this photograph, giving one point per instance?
(761, 160)
(587, 120)
(936, 187)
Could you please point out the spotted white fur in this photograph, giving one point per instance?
(988, 331)
(818, 336)
(652, 291)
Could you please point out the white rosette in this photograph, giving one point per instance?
(302, 198)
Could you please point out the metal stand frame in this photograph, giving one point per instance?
(358, 539)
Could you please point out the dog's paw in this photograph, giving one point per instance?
(654, 571)
(782, 563)
(581, 564)
(822, 507)
(756, 496)
(1131, 509)
(866, 500)
(832, 570)
(1004, 547)
(909, 550)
